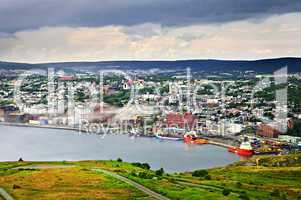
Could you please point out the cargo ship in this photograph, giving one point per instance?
(245, 149)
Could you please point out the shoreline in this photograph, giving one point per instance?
(39, 126)
(210, 141)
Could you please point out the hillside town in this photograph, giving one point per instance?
(225, 111)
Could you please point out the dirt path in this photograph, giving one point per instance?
(5, 195)
(134, 184)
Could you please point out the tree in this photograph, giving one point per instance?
(160, 172)
(118, 99)
(146, 166)
(142, 165)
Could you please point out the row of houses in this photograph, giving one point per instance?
(12, 114)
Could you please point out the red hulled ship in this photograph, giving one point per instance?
(191, 138)
(245, 149)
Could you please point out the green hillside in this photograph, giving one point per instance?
(277, 177)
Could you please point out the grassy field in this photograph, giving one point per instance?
(65, 183)
(263, 178)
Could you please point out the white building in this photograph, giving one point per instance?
(290, 139)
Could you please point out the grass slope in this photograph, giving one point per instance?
(274, 178)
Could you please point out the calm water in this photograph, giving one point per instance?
(49, 144)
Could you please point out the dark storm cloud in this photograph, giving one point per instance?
(18, 15)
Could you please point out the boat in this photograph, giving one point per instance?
(167, 137)
(169, 134)
(200, 141)
(245, 149)
(191, 138)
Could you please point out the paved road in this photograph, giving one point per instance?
(134, 184)
(5, 195)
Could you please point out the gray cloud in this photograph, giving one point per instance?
(16, 15)
(277, 36)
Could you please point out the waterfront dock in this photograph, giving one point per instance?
(219, 144)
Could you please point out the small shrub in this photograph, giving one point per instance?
(200, 173)
(16, 186)
(275, 193)
(172, 180)
(226, 192)
(244, 196)
(284, 197)
(238, 184)
(145, 175)
(208, 177)
(119, 160)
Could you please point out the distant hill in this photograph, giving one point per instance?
(265, 65)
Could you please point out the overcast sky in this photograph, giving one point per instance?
(94, 30)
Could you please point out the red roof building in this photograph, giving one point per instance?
(180, 120)
(66, 78)
(266, 130)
